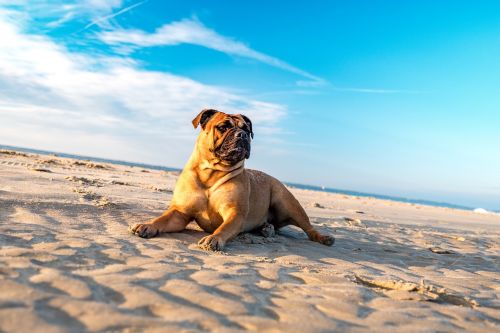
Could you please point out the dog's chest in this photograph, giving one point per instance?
(200, 203)
(208, 220)
(203, 209)
(207, 216)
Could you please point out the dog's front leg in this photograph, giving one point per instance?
(170, 221)
(229, 229)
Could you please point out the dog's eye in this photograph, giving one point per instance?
(223, 128)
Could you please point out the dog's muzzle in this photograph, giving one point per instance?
(234, 148)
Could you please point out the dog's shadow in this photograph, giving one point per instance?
(376, 243)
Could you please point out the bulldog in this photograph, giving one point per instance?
(221, 195)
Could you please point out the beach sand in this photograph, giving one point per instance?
(69, 264)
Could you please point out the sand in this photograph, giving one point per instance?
(68, 263)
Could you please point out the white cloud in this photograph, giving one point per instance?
(56, 99)
(192, 31)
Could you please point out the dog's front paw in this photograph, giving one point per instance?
(211, 243)
(144, 230)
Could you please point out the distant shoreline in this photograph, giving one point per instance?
(296, 185)
(380, 196)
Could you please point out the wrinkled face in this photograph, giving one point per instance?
(232, 137)
(225, 136)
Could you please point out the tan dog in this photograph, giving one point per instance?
(223, 197)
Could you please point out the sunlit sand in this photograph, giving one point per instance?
(68, 263)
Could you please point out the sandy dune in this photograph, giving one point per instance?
(68, 264)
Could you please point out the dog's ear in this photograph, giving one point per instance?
(249, 123)
(203, 117)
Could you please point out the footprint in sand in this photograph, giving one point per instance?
(90, 165)
(353, 222)
(425, 292)
(438, 250)
(11, 152)
(85, 181)
(41, 170)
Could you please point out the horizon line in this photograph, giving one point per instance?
(424, 202)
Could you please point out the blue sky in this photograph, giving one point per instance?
(397, 98)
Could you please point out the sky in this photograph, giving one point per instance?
(388, 97)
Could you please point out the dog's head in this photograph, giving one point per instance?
(226, 137)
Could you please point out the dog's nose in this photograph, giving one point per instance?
(242, 135)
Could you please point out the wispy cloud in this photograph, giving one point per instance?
(192, 31)
(311, 87)
(105, 18)
(66, 17)
(378, 91)
(328, 87)
(97, 104)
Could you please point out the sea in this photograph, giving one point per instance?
(299, 186)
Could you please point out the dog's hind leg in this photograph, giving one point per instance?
(170, 221)
(267, 230)
(287, 210)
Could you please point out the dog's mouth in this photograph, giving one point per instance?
(233, 149)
